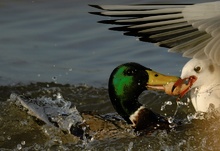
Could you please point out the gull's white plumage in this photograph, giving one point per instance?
(193, 30)
(206, 89)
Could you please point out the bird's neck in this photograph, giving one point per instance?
(125, 105)
(207, 88)
(202, 97)
(135, 113)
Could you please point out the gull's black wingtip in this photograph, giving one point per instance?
(107, 21)
(96, 13)
(96, 6)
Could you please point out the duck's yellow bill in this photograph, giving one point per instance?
(157, 80)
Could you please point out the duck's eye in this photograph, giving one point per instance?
(129, 72)
(197, 69)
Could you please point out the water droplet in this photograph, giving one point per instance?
(23, 142)
(54, 79)
(182, 142)
(59, 96)
(13, 97)
(130, 146)
(92, 139)
(196, 90)
(168, 103)
(170, 119)
(190, 117)
(19, 147)
(162, 107)
(165, 104)
(9, 137)
(37, 147)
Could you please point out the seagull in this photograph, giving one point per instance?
(190, 29)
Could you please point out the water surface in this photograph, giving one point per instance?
(60, 41)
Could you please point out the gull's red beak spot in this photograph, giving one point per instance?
(180, 87)
(185, 84)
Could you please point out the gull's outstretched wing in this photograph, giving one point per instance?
(193, 30)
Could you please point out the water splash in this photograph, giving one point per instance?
(165, 104)
(130, 146)
(181, 103)
(58, 112)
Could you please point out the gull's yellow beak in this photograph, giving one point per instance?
(157, 80)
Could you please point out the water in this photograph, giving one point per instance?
(59, 41)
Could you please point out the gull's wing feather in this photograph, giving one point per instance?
(193, 30)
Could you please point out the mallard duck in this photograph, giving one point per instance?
(193, 30)
(126, 83)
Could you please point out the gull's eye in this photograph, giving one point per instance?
(197, 69)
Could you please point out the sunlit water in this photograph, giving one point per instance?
(59, 41)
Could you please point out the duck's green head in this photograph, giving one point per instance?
(128, 81)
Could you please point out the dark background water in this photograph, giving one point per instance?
(45, 40)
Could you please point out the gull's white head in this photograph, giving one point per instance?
(204, 70)
(207, 83)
